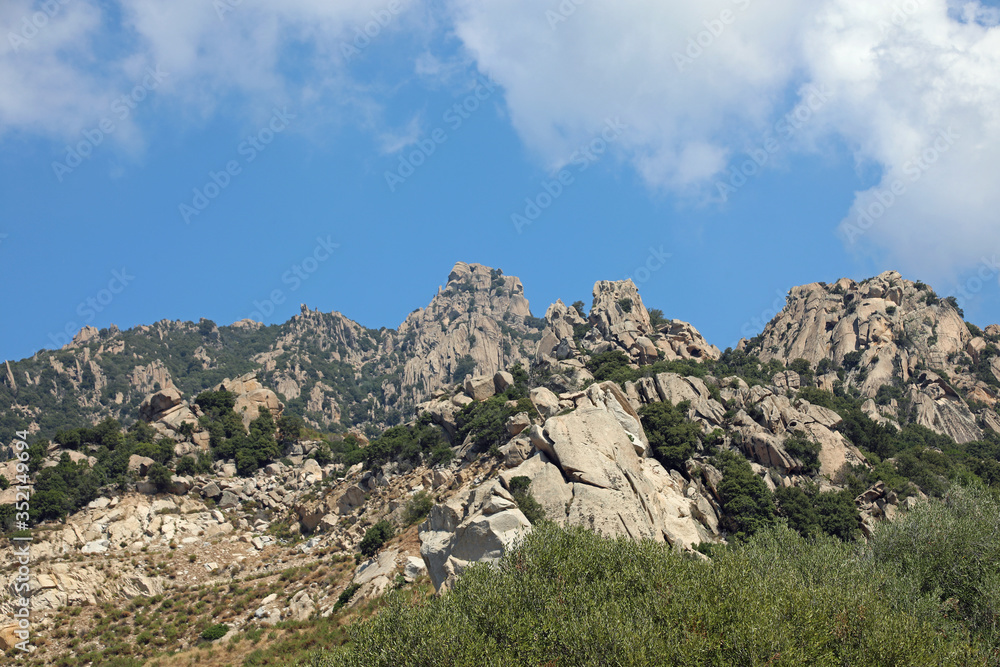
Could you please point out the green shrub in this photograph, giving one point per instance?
(672, 437)
(805, 450)
(213, 632)
(159, 476)
(375, 537)
(747, 504)
(417, 507)
(571, 597)
(529, 506)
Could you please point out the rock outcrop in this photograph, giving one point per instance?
(887, 331)
(591, 469)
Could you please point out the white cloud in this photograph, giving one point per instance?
(698, 84)
(701, 83)
(62, 80)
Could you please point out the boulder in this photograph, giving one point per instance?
(8, 637)
(413, 569)
(352, 498)
(140, 464)
(502, 380)
(211, 490)
(458, 533)
(480, 388)
(228, 500)
(546, 402)
(787, 380)
(179, 486)
(517, 423)
(160, 402)
(301, 606)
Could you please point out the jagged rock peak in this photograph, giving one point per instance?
(620, 321)
(481, 314)
(886, 331)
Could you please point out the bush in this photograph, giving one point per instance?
(806, 451)
(671, 435)
(407, 443)
(186, 465)
(811, 513)
(950, 549)
(747, 503)
(159, 475)
(571, 597)
(213, 632)
(418, 507)
(486, 421)
(530, 508)
(466, 366)
(375, 537)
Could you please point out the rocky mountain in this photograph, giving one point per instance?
(298, 472)
(896, 343)
(324, 366)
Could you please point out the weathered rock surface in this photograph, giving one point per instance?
(885, 331)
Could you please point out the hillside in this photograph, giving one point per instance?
(283, 481)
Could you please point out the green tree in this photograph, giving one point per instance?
(466, 366)
(159, 475)
(747, 504)
(375, 537)
(671, 435)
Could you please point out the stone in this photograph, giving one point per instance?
(179, 486)
(228, 500)
(517, 423)
(211, 490)
(480, 388)
(140, 464)
(414, 569)
(352, 498)
(156, 404)
(545, 401)
(96, 547)
(787, 380)
(301, 606)
(502, 380)
(8, 637)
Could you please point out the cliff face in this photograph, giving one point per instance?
(480, 314)
(891, 332)
(323, 365)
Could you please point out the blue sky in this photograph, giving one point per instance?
(289, 133)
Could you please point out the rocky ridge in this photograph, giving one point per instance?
(891, 332)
